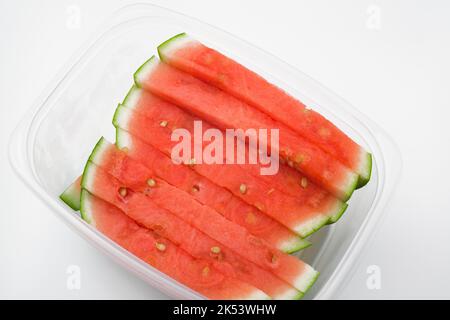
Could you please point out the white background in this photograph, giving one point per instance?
(397, 73)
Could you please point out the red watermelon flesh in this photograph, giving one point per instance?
(165, 224)
(108, 158)
(139, 195)
(211, 66)
(225, 111)
(207, 192)
(197, 274)
(303, 214)
(287, 180)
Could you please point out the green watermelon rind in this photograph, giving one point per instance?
(143, 70)
(84, 206)
(307, 279)
(71, 197)
(297, 245)
(334, 218)
(311, 282)
(318, 222)
(167, 46)
(133, 95)
(87, 175)
(364, 179)
(351, 187)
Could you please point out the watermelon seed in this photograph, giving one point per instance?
(205, 271)
(163, 123)
(290, 163)
(274, 258)
(304, 182)
(215, 250)
(123, 191)
(299, 158)
(251, 218)
(195, 188)
(191, 162)
(260, 206)
(271, 191)
(243, 188)
(151, 182)
(160, 246)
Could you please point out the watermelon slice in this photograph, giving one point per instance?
(135, 192)
(164, 223)
(189, 55)
(303, 215)
(222, 109)
(210, 194)
(162, 254)
(71, 196)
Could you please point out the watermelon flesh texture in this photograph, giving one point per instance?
(71, 196)
(209, 65)
(225, 111)
(287, 180)
(210, 194)
(294, 213)
(302, 216)
(288, 268)
(204, 191)
(163, 254)
(166, 224)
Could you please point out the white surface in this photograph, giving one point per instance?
(398, 74)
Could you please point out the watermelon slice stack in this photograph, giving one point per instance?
(225, 230)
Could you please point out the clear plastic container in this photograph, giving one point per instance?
(49, 147)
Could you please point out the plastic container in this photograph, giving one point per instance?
(49, 147)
